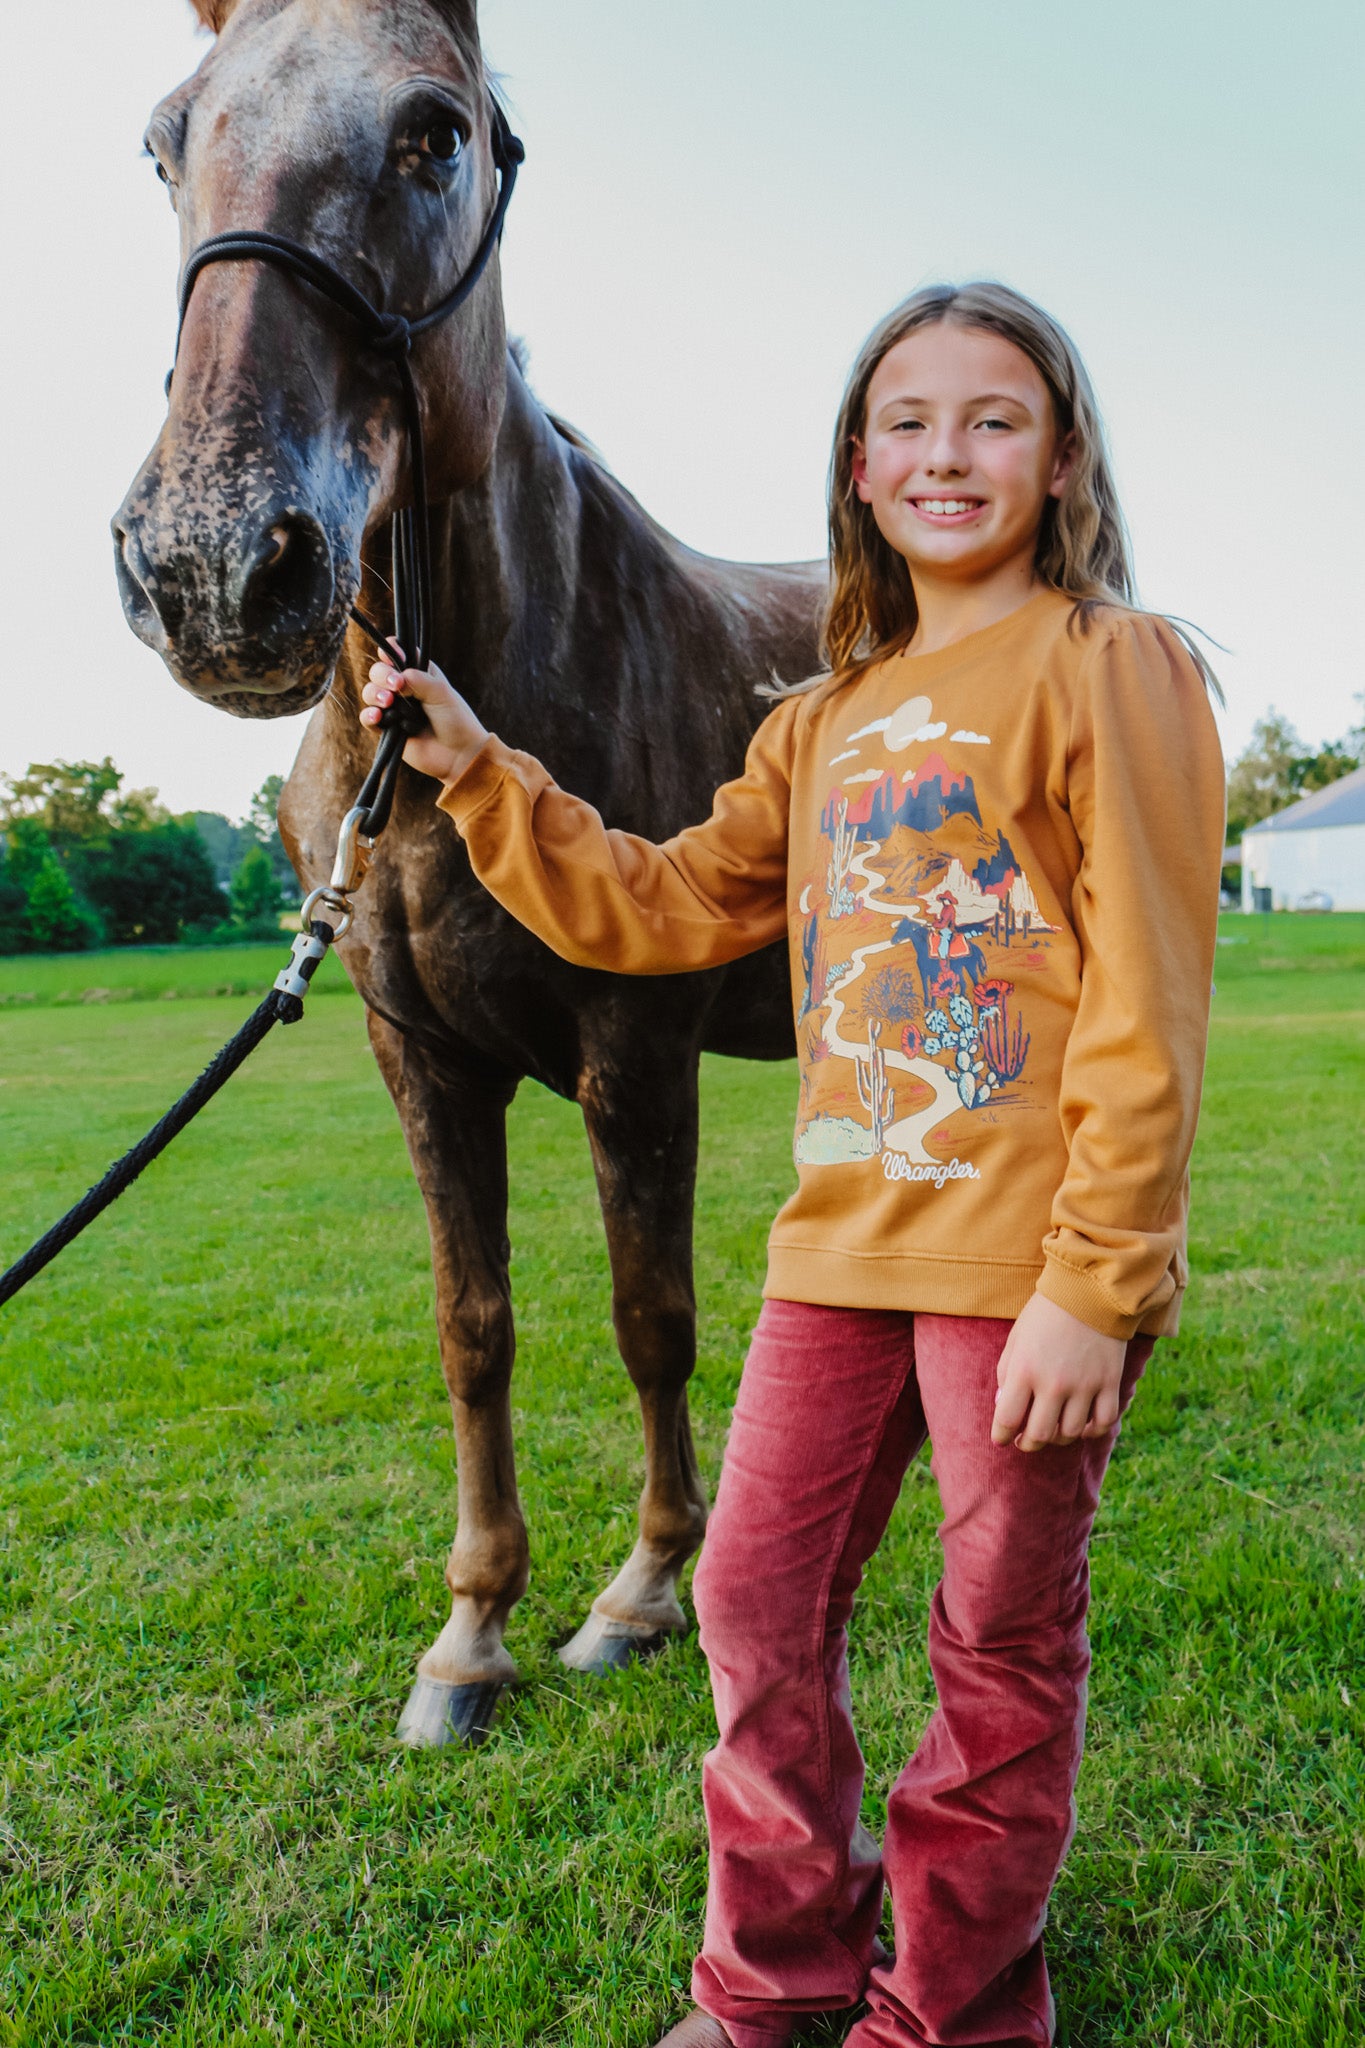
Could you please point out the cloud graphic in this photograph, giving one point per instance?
(971, 739)
(910, 722)
(868, 775)
(877, 725)
(851, 755)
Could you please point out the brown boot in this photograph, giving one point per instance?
(698, 2030)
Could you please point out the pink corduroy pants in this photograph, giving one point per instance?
(833, 1405)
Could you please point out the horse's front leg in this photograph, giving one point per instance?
(642, 1126)
(455, 1123)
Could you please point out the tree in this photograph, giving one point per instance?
(97, 863)
(40, 909)
(224, 840)
(56, 920)
(16, 933)
(256, 897)
(1276, 769)
(77, 802)
(151, 887)
(262, 823)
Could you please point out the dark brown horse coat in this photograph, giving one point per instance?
(577, 628)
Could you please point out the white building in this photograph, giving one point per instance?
(1313, 851)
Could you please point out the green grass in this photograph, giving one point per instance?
(123, 974)
(228, 1488)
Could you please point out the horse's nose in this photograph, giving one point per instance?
(272, 583)
(285, 581)
(151, 606)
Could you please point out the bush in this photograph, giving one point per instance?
(150, 886)
(257, 899)
(57, 920)
(41, 911)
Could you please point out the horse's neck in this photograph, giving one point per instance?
(558, 596)
(507, 568)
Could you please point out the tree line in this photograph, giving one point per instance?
(1276, 769)
(86, 862)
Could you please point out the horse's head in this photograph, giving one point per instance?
(360, 129)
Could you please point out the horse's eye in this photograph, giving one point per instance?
(162, 174)
(442, 140)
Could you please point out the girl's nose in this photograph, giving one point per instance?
(946, 455)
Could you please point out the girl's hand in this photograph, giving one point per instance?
(1059, 1380)
(455, 734)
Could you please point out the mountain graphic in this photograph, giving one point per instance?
(934, 793)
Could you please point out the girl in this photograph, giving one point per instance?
(992, 833)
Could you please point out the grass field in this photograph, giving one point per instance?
(228, 1489)
(142, 973)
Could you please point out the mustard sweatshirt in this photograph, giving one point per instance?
(997, 870)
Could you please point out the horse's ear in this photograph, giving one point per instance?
(213, 14)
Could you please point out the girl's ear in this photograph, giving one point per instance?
(858, 471)
(1063, 465)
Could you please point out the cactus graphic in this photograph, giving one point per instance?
(843, 846)
(1004, 1041)
(877, 1098)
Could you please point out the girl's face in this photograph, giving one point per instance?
(960, 452)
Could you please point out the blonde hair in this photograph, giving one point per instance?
(1082, 545)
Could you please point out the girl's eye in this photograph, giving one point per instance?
(996, 423)
(443, 141)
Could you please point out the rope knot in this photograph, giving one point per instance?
(394, 336)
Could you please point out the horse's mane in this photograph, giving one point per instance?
(577, 439)
(520, 351)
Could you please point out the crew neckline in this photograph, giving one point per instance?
(985, 636)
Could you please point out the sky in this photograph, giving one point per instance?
(718, 202)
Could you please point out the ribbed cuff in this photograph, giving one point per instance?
(1082, 1296)
(477, 784)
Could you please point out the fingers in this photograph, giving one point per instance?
(426, 686)
(1105, 1412)
(1034, 1416)
(1011, 1406)
(1041, 1428)
(1075, 1417)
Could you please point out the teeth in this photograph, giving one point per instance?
(945, 507)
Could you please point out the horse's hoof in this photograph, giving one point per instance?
(602, 1646)
(438, 1714)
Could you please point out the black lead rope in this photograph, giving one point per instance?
(283, 1005)
(388, 335)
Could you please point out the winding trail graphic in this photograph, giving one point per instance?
(908, 1133)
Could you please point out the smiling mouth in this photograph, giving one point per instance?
(945, 510)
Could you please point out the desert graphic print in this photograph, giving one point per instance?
(920, 926)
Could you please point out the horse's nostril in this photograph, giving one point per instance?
(144, 608)
(287, 584)
(278, 538)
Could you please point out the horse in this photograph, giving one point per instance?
(963, 962)
(577, 628)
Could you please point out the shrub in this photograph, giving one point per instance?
(150, 886)
(257, 899)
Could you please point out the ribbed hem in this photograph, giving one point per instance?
(832, 1278)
